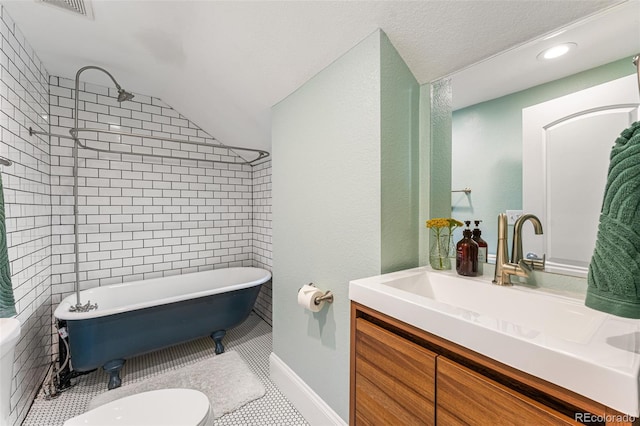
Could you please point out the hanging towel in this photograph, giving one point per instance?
(614, 271)
(7, 302)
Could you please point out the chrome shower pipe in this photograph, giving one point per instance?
(79, 307)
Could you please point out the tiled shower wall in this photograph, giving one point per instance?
(24, 103)
(142, 217)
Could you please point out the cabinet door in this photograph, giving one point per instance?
(394, 380)
(466, 397)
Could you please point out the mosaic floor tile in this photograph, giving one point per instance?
(252, 340)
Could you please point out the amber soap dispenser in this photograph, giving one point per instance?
(467, 254)
(482, 247)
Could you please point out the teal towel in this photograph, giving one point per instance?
(614, 271)
(7, 303)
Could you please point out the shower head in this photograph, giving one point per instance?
(123, 95)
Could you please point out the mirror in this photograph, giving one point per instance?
(488, 99)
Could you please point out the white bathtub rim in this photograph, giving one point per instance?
(62, 311)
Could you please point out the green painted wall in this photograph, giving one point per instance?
(487, 147)
(440, 149)
(400, 178)
(343, 202)
(424, 159)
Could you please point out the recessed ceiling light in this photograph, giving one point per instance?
(556, 51)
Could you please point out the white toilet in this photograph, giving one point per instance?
(163, 407)
(9, 334)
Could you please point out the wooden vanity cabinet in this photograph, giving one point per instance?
(466, 397)
(394, 379)
(401, 375)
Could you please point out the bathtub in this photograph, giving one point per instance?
(143, 316)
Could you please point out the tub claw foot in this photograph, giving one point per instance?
(113, 369)
(217, 339)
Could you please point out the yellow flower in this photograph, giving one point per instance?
(442, 222)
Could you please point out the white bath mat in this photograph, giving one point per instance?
(224, 378)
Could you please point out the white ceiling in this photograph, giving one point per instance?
(600, 39)
(223, 64)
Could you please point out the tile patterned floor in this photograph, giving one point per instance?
(252, 340)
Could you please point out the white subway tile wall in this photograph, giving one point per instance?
(24, 103)
(142, 217)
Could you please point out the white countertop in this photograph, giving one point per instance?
(553, 337)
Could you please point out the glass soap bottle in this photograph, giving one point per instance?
(467, 254)
(482, 247)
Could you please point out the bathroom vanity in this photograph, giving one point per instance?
(432, 348)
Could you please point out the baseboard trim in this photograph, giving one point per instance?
(304, 399)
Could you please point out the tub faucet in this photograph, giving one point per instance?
(504, 268)
(532, 260)
(83, 308)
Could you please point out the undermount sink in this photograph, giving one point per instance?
(551, 336)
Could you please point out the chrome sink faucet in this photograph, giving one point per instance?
(504, 268)
(532, 260)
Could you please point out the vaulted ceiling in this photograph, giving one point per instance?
(223, 64)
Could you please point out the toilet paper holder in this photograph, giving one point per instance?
(326, 297)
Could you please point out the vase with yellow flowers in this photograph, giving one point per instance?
(441, 247)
